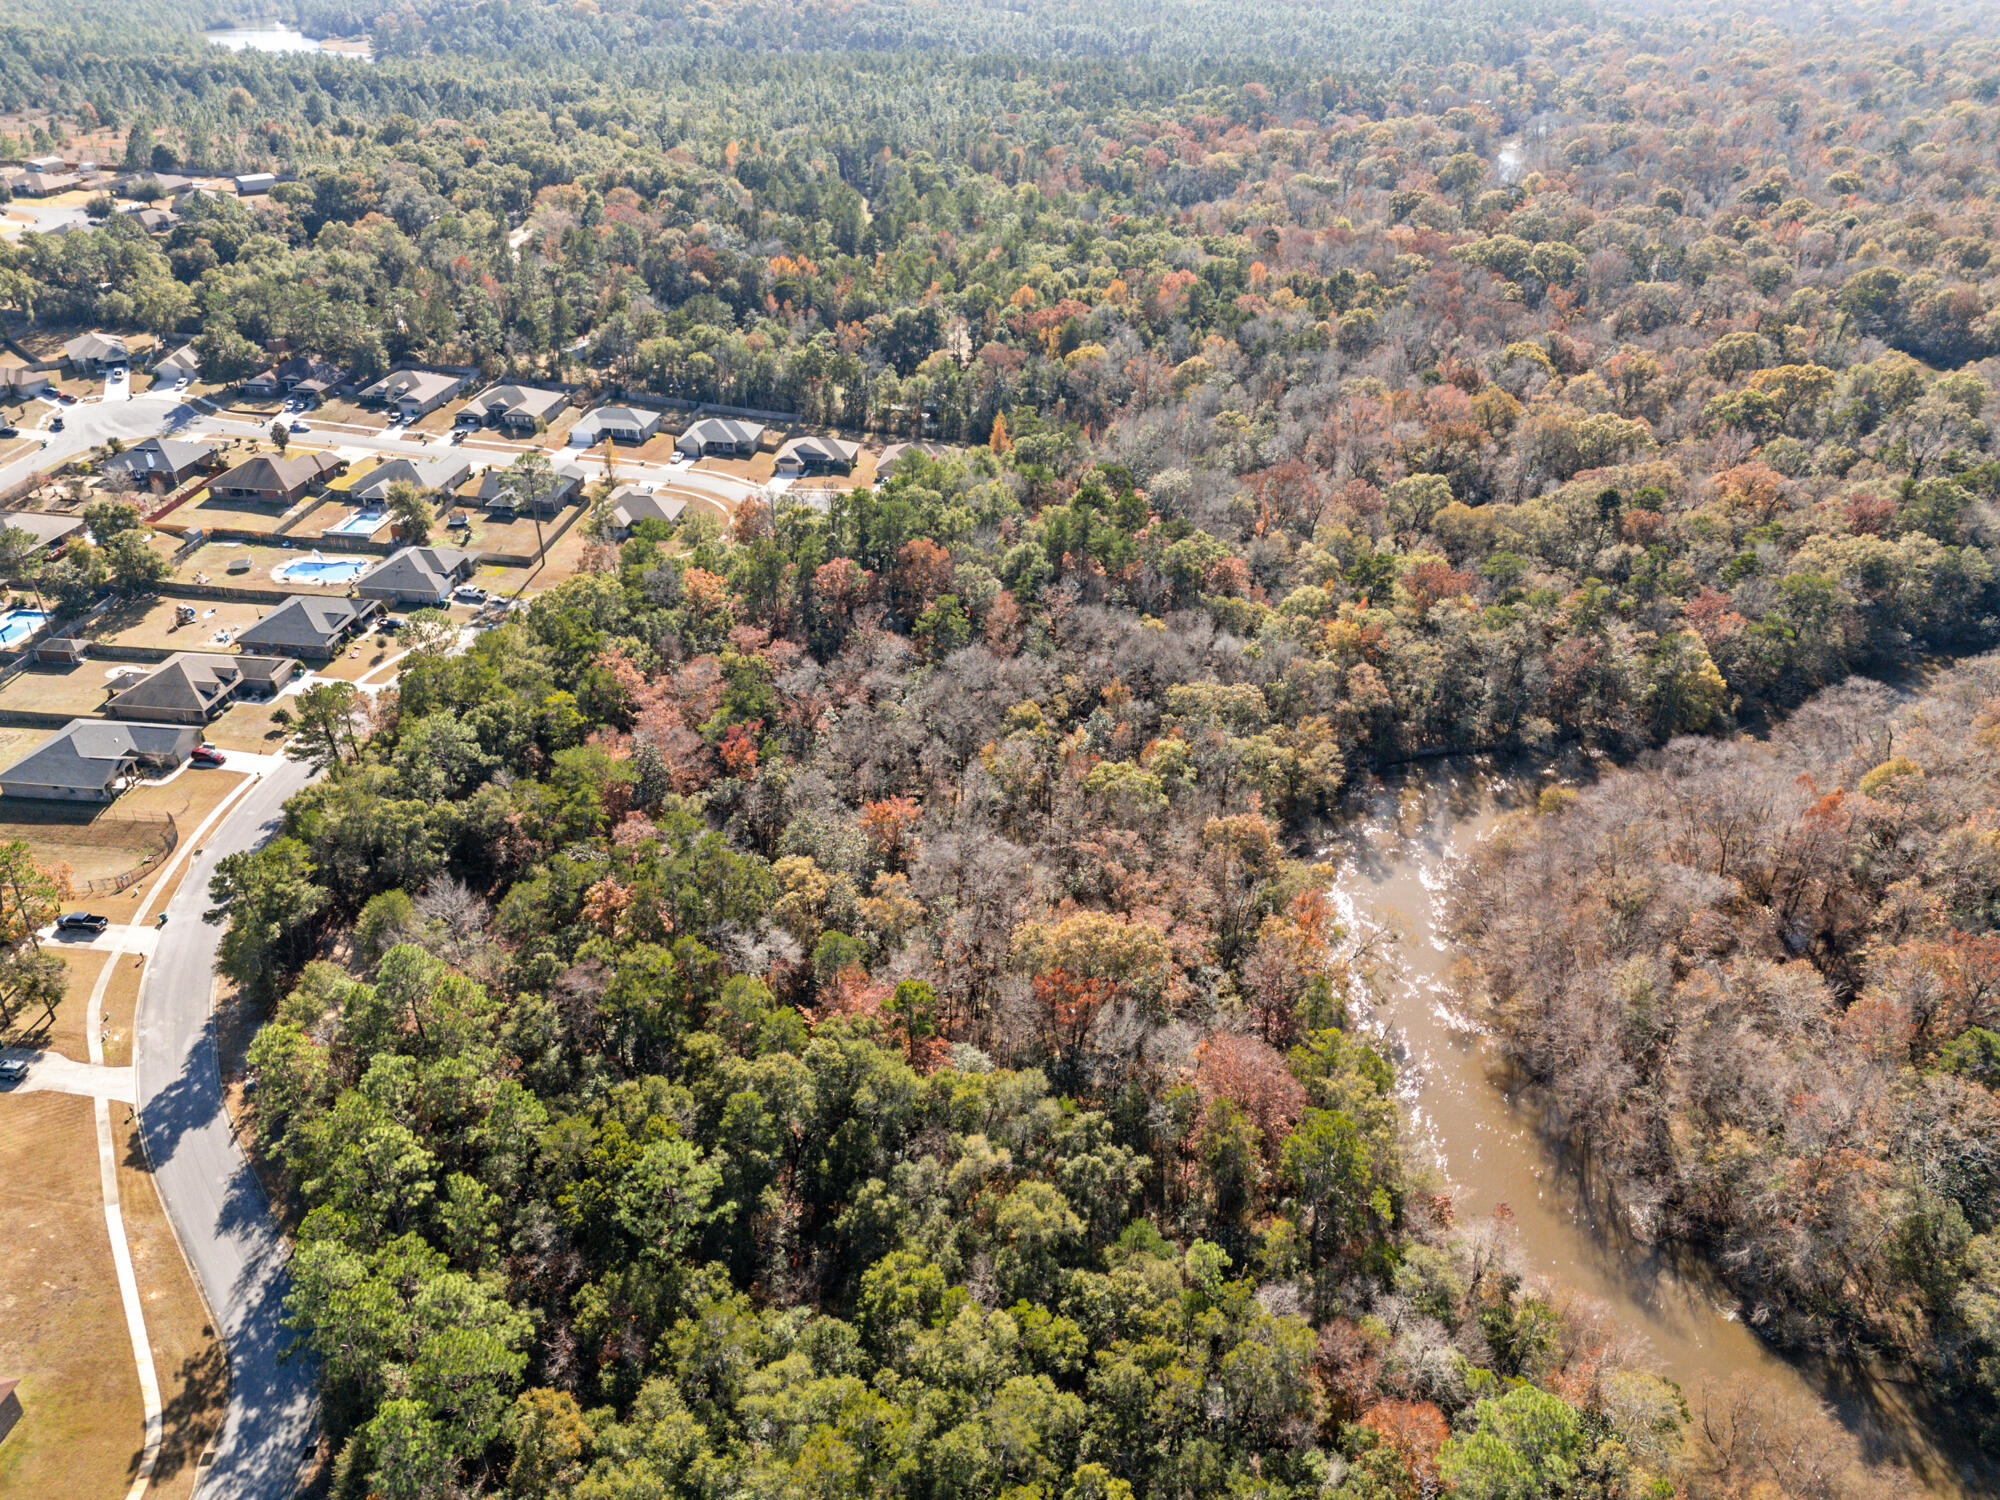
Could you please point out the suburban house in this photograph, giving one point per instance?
(91, 352)
(49, 530)
(895, 453)
(621, 424)
(34, 184)
(192, 687)
(276, 481)
(152, 220)
(818, 455)
(301, 375)
(162, 462)
(309, 627)
(414, 393)
(19, 383)
(518, 408)
(182, 364)
(252, 183)
(93, 760)
(417, 575)
(44, 164)
(722, 437)
(434, 476)
(170, 183)
(633, 503)
(494, 494)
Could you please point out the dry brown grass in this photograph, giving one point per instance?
(248, 726)
(211, 513)
(121, 1003)
(190, 797)
(62, 1327)
(213, 561)
(364, 655)
(188, 1359)
(15, 743)
(150, 622)
(95, 840)
(442, 420)
(66, 1032)
(79, 690)
(757, 469)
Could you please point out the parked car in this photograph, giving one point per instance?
(9, 431)
(465, 593)
(81, 921)
(300, 427)
(12, 1071)
(206, 755)
(390, 624)
(56, 424)
(66, 398)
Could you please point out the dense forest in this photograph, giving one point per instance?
(831, 1006)
(1761, 984)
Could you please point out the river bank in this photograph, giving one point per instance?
(1396, 856)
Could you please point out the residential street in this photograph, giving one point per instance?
(216, 1201)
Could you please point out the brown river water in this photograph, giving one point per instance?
(1396, 856)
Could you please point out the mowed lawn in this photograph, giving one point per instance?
(62, 1327)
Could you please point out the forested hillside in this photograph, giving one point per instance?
(1759, 982)
(829, 1006)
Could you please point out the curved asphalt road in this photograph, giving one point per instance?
(216, 1202)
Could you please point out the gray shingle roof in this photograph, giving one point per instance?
(632, 504)
(724, 430)
(421, 572)
(277, 475)
(95, 346)
(301, 623)
(46, 528)
(420, 385)
(161, 456)
(88, 754)
(819, 450)
(426, 474)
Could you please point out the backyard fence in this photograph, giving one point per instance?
(165, 837)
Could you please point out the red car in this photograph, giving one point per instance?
(206, 755)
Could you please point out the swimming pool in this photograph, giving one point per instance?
(320, 570)
(19, 624)
(361, 523)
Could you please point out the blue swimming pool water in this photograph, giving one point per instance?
(361, 523)
(19, 624)
(320, 570)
